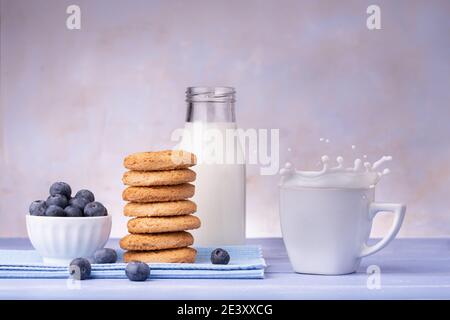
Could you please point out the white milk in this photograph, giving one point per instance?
(361, 175)
(219, 187)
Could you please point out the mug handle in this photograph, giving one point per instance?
(399, 213)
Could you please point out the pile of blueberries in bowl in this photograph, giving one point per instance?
(60, 203)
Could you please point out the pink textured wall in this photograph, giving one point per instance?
(74, 103)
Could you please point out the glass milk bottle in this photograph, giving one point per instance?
(210, 133)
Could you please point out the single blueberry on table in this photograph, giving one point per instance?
(73, 211)
(37, 208)
(85, 194)
(137, 271)
(55, 211)
(80, 269)
(61, 188)
(220, 256)
(95, 209)
(79, 202)
(57, 200)
(105, 255)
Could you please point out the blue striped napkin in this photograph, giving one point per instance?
(246, 262)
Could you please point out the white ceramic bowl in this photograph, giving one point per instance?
(61, 239)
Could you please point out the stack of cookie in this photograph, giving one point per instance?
(158, 189)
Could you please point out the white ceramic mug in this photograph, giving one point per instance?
(325, 230)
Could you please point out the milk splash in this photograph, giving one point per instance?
(360, 175)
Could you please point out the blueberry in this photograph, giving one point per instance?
(137, 271)
(105, 255)
(61, 188)
(80, 269)
(55, 211)
(38, 207)
(85, 194)
(95, 209)
(57, 200)
(73, 211)
(79, 202)
(220, 256)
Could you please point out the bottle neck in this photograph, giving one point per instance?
(210, 104)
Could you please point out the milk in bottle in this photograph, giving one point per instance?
(210, 133)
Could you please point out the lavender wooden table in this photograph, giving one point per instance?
(410, 269)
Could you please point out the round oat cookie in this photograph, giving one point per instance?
(163, 224)
(160, 160)
(159, 209)
(157, 241)
(158, 193)
(180, 255)
(158, 178)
